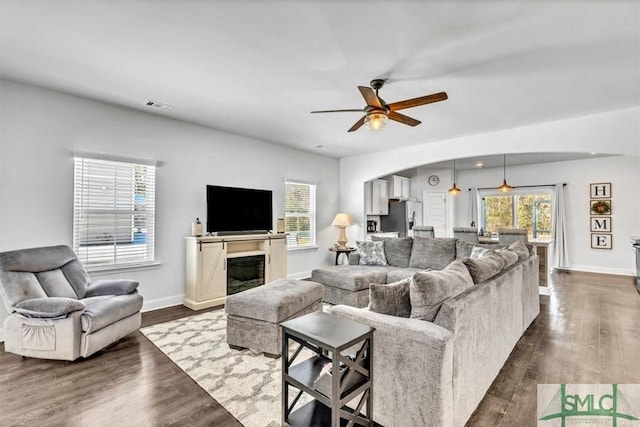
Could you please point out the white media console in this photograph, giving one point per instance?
(218, 263)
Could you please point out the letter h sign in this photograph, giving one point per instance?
(601, 190)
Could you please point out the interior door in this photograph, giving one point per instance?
(435, 211)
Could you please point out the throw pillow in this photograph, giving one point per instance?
(509, 256)
(371, 253)
(53, 307)
(484, 268)
(392, 299)
(478, 252)
(429, 289)
(520, 248)
(435, 253)
(396, 249)
(464, 248)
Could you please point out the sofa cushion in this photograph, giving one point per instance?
(484, 268)
(435, 253)
(112, 287)
(53, 307)
(509, 256)
(520, 248)
(428, 290)
(55, 284)
(19, 286)
(402, 273)
(392, 299)
(396, 249)
(478, 251)
(351, 277)
(102, 311)
(371, 253)
(464, 248)
(276, 301)
(35, 260)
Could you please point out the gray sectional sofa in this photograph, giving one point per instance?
(434, 373)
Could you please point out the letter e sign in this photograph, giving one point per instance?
(601, 241)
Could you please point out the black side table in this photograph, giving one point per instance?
(331, 335)
(341, 250)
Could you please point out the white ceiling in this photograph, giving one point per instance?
(258, 68)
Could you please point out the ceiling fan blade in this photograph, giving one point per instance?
(370, 96)
(357, 125)
(408, 103)
(359, 110)
(403, 119)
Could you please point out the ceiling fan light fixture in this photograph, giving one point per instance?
(376, 121)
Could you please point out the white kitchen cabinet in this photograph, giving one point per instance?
(401, 188)
(377, 197)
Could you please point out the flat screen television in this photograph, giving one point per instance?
(231, 209)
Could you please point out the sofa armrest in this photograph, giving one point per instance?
(411, 357)
(111, 287)
(48, 308)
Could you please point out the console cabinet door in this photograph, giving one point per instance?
(276, 259)
(212, 275)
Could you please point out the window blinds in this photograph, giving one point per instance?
(300, 214)
(114, 212)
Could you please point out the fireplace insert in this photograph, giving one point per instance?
(244, 273)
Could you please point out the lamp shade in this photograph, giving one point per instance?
(342, 220)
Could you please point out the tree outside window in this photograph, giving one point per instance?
(300, 214)
(530, 211)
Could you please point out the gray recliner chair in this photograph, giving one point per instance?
(56, 311)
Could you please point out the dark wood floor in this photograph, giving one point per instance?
(587, 332)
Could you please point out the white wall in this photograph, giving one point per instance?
(614, 132)
(39, 129)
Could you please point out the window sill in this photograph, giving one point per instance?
(97, 271)
(303, 248)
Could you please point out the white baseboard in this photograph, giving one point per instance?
(601, 270)
(299, 276)
(1, 335)
(165, 302)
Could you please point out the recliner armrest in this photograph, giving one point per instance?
(111, 287)
(48, 308)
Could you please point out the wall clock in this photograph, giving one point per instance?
(434, 180)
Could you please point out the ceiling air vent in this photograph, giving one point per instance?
(158, 106)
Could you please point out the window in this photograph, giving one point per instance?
(300, 214)
(113, 212)
(531, 210)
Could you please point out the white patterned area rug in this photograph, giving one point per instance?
(245, 383)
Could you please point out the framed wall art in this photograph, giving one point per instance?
(601, 241)
(601, 224)
(601, 190)
(600, 207)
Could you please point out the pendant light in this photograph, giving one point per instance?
(504, 187)
(454, 190)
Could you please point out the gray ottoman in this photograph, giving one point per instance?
(254, 316)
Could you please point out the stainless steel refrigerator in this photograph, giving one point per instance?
(403, 216)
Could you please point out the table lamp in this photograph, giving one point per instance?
(342, 220)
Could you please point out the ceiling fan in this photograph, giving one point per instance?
(377, 112)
